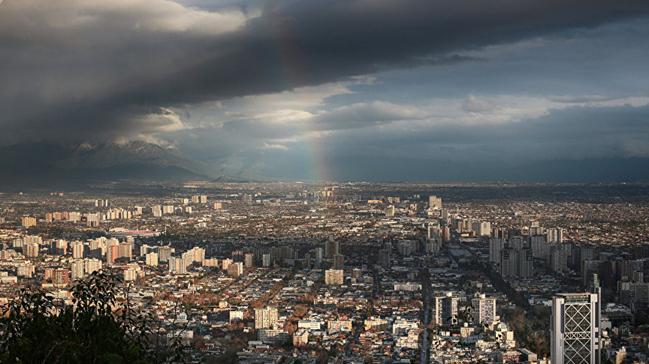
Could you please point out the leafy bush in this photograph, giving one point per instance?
(96, 328)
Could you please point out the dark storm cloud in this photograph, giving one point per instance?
(295, 43)
(105, 70)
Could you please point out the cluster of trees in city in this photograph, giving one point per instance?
(95, 328)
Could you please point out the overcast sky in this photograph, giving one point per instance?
(334, 89)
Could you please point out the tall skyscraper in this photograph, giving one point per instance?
(384, 257)
(516, 260)
(319, 255)
(540, 247)
(433, 245)
(575, 337)
(338, 261)
(332, 247)
(558, 259)
(496, 246)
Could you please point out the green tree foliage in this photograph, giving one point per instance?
(96, 328)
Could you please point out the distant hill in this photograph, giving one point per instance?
(42, 164)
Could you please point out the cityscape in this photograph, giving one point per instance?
(324, 181)
(353, 272)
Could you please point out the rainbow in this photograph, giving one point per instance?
(293, 70)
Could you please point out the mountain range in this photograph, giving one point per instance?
(41, 164)
(47, 164)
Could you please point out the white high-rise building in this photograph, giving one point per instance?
(225, 263)
(481, 228)
(554, 235)
(164, 253)
(92, 220)
(77, 249)
(265, 260)
(91, 265)
(199, 199)
(485, 309)
(334, 277)
(156, 210)
(265, 318)
(177, 265)
(196, 255)
(446, 309)
(31, 250)
(235, 269)
(77, 269)
(434, 202)
(26, 270)
(152, 259)
(125, 250)
(131, 274)
(102, 203)
(485, 228)
(144, 250)
(575, 336)
(249, 260)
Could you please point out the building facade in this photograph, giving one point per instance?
(575, 337)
